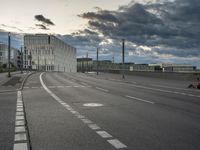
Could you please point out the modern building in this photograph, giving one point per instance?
(4, 55)
(84, 64)
(167, 67)
(48, 53)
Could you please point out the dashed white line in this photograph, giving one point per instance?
(139, 99)
(116, 143)
(104, 134)
(86, 121)
(19, 123)
(105, 90)
(20, 137)
(166, 91)
(19, 117)
(94, 127)
(20, 146)
(20, 129)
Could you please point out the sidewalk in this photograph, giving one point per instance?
(13, 83)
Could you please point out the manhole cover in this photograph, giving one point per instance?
(93, 105)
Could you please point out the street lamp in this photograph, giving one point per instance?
(9, 55)
(123, 47)
(21, 60)
(97, 61)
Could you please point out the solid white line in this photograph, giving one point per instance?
(101, 89)
(139, 99)
(104, 134)
(117, 144)
(20, 146)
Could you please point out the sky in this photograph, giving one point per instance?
(155, 31)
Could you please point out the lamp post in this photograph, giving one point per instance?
(9, 55)
(21, 60)
(97, 61)
(123, 47)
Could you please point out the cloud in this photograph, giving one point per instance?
(167, 27)
(41, 26)
(44, 20)
(11, 27)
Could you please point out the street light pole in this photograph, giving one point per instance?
(21, 60)
(123, 47)
(87, 61)
(9, 55)
(97, 61)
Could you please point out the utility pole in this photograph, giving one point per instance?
(25, 59)
(38, 61)
(9, 55)
(30, 61)
(87, 61)
(97, 61)
(123, 47)
(21, 60)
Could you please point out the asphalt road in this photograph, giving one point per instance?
(83, 112)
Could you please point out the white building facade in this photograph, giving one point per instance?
(48, 53)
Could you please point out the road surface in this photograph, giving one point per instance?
(82, 112)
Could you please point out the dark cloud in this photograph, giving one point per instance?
(44, 20)
(41, 26)
(171, 26)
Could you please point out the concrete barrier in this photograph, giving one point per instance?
(163, 75)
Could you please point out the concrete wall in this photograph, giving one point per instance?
(163, 75)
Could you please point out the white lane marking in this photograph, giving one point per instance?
(116, 143)
(60, 86)
(19, 117)
(20, 109)
(76, 86)
(19, 113)
(26, 87)
(34, 87)
(85, 120)
(104, 134)
(139, 99)
(51, 86)
(74, 112)
(19, 123)
(166, 91)
(80, 116)
(20, 137)
(94, 127)
(20, 129)
(92, 104)
(68, 86)
(21, 106)
(105, 90)
(20, 146)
